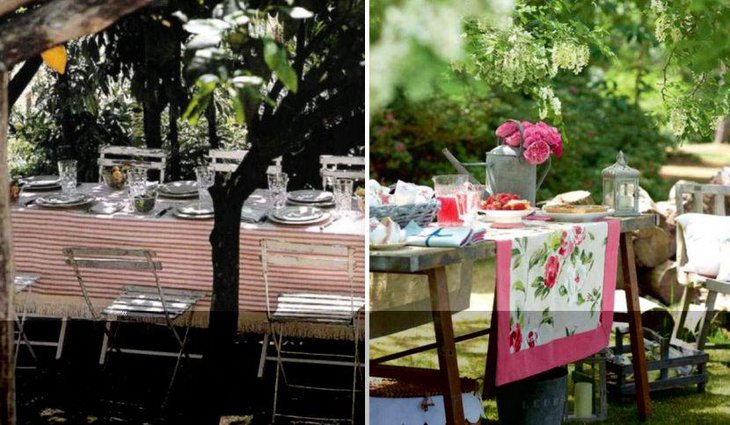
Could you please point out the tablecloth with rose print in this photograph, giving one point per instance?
(555, 285)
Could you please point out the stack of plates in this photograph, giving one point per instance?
(38, 183)
(298, 215)
(311, 198)
(59, 200)
(195, 211)
(185, 189)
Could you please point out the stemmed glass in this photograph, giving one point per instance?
(136, 183)
(342, 190)
(206, 179)
(277, 189)
(67, 176)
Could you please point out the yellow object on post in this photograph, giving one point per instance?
(55, 57)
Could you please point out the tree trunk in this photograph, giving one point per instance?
(57, 22)
(152, 124)
(7, 373)
(720, 130)
(174, 105)
(210, 115)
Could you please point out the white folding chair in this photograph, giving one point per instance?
(222, 161)
(345, 167)
(693, 282)
(24, 283)
(152, 159)
(312, 306)
(146, 303)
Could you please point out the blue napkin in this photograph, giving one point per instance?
(443, 237)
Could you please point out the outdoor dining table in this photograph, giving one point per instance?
(432, 262)
(183, 248)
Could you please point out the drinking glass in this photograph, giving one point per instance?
(451, 190)
(342, 190)
(137, 181)
(206, 178)
(277, 189)
(67, 175)
(470, 205)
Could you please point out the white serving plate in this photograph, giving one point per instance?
(310, 196)
(578, 218)
(506, 216)
(298, 214)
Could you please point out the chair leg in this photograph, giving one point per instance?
(264, 352)
(355, 370)
(706, 320)
(279, 371)
(61, 337)
(178, 362)
(684, 309)
(105, 343)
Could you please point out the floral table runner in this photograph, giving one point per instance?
(555, 285)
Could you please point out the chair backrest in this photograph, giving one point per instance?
(121, 259)
(222, 161)
(698, 191)
(290, 257)
(334, 166)
(153, 159)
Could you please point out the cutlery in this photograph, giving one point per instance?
(162, 212)
(31, 202)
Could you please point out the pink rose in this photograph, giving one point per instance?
(531, 339)
(515, 338)
(537, 153)
(513, 139)
(579, 234)
(552, 267)
(507, 129)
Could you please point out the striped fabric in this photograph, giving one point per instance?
(182, 246)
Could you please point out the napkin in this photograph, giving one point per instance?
(443, 236)
(252, 215)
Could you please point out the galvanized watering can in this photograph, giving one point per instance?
(507, 170)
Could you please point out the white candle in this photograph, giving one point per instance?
(625, 201)
(583, 400)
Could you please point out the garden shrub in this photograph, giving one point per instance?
(408, 137)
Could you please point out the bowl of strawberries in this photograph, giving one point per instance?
(505, 208)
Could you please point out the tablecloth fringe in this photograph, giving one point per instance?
(59, 306)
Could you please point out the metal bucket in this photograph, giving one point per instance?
(536, 400)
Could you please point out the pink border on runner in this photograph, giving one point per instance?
(520, 365)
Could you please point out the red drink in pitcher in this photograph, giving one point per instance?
(449, 213)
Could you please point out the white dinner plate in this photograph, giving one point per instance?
(310, 196)
(298, 214)
(59, 200)
(179, 189)
(271, 217)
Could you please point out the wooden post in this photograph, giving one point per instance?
(7, 372)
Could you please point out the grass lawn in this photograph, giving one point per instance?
(683, 406)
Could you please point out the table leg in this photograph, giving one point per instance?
(490, 370)
(636, 332)
(444, 330)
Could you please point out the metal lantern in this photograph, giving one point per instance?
(589, 390)
(621, 188)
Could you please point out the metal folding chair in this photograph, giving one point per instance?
(222, 161)
(313, 306)
(693, 282)
(24, 283)
(344, 167)
(139, 303)
(152, 159)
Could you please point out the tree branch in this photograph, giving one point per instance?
(57, 22)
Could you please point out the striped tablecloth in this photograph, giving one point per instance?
(182, 246)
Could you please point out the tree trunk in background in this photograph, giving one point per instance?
(210, 115)
(7, 372)
(721, 130)
(174, 105)
(152, 103)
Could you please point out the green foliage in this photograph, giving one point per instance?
(407, 139)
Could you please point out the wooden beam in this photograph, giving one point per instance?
(8, 6)
(58, 22)
(7, 372)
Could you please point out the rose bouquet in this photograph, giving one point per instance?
(538, 140)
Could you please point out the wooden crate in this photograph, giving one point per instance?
(621, 384)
